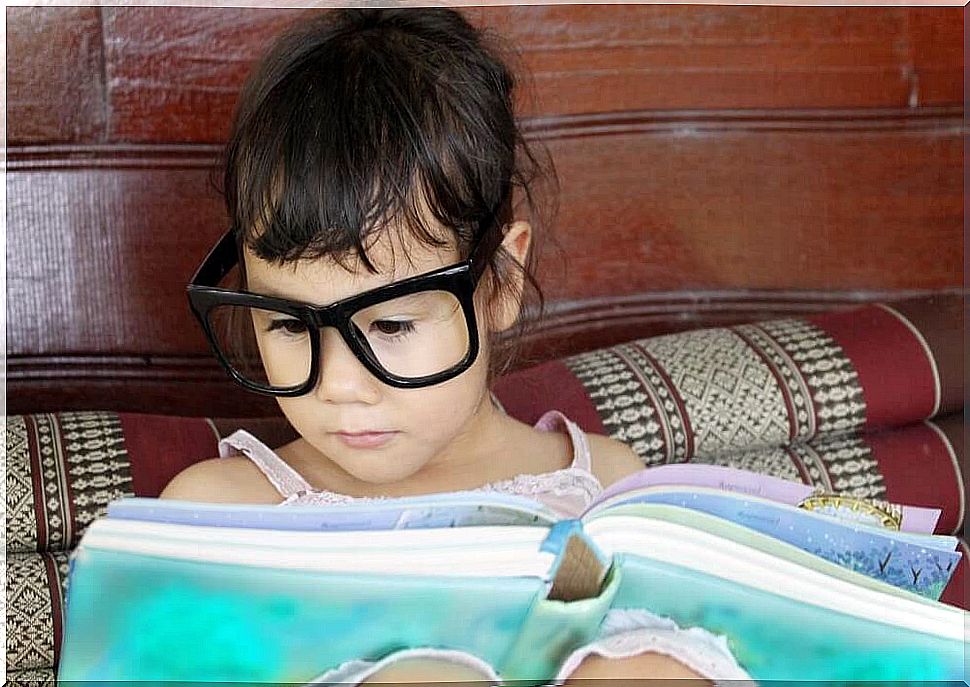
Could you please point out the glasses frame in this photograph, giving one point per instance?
(460, 279)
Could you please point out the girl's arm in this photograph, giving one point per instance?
(221, 480)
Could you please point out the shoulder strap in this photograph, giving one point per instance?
(286, 480)
(554, 420)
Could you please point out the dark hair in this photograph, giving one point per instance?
(354, 118)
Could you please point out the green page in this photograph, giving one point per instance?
(756, 540)
(778, 638)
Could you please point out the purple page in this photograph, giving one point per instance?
(712, 477)
(914, 518)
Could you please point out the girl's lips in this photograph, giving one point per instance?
(365, 439)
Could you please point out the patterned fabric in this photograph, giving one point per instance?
(40, 677)
(841, 464)
(895, 367)
(62, 471)
(700, 394)
(36, 589)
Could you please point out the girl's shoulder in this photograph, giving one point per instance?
(611, 460)
(232, 479)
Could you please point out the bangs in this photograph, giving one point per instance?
(350, 137)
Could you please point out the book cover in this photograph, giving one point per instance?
(275, 605)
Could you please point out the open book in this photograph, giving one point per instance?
(167, 590)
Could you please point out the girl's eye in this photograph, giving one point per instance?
(287, 326)
(393, 328)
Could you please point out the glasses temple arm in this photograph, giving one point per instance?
(222, 258)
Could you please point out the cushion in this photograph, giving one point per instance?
(710, 391)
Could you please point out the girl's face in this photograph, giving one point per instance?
(425, 426)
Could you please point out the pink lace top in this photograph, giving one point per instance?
(568, 491)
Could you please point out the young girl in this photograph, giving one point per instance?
(370, 177)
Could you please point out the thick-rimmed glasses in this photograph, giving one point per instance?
(409, 334)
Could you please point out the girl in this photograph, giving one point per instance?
(369, 178)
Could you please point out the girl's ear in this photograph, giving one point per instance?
(518, 239)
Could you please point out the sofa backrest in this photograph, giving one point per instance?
(711, 174)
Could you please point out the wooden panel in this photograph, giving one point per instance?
(174, 72)
(936, 52)
(147, 384)
(702, 206)
(696, 209)
(55, 91)
(586, 58)
(693, 194)
(98, 259)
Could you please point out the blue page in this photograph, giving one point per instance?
(924, 568)
(455, 509)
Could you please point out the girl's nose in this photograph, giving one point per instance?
(342, 377)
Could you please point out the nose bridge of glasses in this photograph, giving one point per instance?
(335, 323)
(332, 340)
(328, 316)
(340, 373)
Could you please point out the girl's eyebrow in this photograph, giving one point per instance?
(257, 287)
(254, 286)
(260, 289)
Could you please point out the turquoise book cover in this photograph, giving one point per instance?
(286, 605)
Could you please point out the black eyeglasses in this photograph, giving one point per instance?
(410, 334)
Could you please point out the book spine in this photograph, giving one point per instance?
(555, 628)
(559, 533)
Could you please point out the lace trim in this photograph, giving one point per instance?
(624, 633)
(356, 671)
(560, 483)
(573, 480)
(312, 497)
(630, 632)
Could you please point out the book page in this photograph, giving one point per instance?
(452, 509)
(919, 563)
(743, 482)
(707, 553)
(710, 476)
(493, 551)
(726, 529)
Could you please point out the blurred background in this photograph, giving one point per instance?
(717, 164)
